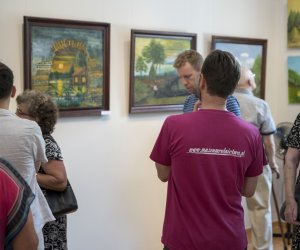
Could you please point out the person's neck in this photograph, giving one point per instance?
(213, 102)
(4, 103)
(244, 86)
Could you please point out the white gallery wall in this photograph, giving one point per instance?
(121, 201)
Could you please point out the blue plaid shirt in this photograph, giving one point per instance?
(232, 104)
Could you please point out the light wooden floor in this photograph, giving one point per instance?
(277, 241)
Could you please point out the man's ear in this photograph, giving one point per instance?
(13, 91)
(251, 83)
(202, 82)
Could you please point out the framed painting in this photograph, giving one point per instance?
(294, 79)
(251, 53)
(293, 24)
(154, 84)
(69, 60)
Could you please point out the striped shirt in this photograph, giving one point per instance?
(232, 104)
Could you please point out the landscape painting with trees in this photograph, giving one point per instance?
(294, 79)
(293, 28)
(155, 85)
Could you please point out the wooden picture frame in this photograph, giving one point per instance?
(154, 84)
(251, 53)
(69, 60)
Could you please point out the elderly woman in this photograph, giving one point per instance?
(292, 160)
(39, 107)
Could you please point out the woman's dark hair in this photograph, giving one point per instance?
(40, 107)
(221, 72)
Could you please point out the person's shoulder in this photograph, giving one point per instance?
(231, 98)
(243, 97)
(259, 100)
(262, 103)
(247, 126)
(172, 118)
(178, 117)
(25, 122)
(28, 127)
(190, 96)
(49, 139)
(250, 98)
(31, 124)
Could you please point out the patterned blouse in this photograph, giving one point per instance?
(293, 139)
(53, 151)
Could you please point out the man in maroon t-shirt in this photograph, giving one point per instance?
(210, 158)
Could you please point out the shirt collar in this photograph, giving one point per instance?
(6, 112)
(244, 91)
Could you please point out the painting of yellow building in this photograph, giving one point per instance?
(69, 62)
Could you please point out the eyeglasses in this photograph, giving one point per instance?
(19, 112)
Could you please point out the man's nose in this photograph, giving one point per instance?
(183, 81)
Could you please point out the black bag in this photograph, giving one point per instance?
(297, 198)
(61, 203)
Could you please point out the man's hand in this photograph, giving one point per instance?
(290, 212)
(197, 105)
(275, 170)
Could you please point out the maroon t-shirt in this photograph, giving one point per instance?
(210, 152)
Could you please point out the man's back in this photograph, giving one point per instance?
(255, 111)
(22, 145)
(207, 214)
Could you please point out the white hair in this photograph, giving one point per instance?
(247, 77)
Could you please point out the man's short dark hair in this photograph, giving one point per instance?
(222, 73)
(6, 80)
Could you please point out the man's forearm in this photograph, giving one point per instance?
(270, 149)
(290, 168)
(163, 172)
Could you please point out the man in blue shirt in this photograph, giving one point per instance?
(188, 65)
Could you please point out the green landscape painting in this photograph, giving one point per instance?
(294, 79)
(293, 23)
(155, 80)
